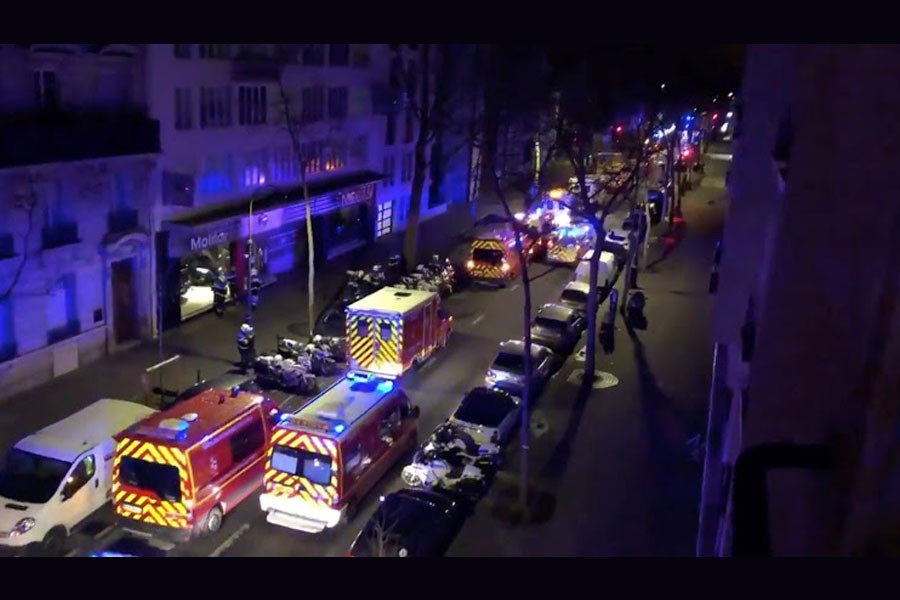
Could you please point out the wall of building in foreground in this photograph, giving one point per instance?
(813, 247)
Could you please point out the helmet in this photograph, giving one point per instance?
(253, 272)
(435, 258)
(317, 338)
(246, 328)
(310, 348)
(376, 268)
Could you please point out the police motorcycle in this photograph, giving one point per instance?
(442, 274)
(291, 375)
(451, 460)
(321, 362)
(332, 346)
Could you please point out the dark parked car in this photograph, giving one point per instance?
(558, 327)
(507, 372)
(412, 522)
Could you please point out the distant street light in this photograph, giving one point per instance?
(731, 94)
(662, 87)
(729, 114)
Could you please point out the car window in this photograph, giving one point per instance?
(81, 474)
(550, 323)
(487, 410)
(247, 440)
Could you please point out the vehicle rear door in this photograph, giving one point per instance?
(387, 344)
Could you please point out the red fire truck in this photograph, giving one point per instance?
(392, 329)
(328, 455)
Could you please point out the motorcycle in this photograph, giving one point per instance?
(319, 356)
(332, 347)
(273, 370)
(451, 460)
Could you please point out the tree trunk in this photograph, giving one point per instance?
(420, 164)
(590, 349)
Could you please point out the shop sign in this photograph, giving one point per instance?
(209, 240)
(363, 193)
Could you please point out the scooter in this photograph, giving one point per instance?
(449, 461)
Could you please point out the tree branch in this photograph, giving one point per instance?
(28, 206)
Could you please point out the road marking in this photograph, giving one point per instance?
(105, 531)
(71, 553)
(478, 319)
(230, 541)
(514, 288)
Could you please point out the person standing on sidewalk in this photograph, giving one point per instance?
(220, 293)
(246, 342)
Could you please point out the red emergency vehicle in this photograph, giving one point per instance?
(493, 257)
(178, 472)
(392, 329)
(328, 455)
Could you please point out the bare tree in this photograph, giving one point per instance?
(292, 125)
(380, 537)
(24, 200)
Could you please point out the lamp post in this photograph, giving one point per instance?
(251, 251)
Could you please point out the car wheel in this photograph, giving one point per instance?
(213, 520)
(54, 543)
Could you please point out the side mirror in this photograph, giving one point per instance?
(66, 492)
(412, 412)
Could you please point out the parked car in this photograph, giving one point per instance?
(487, 414)
(412, 522)
(575, 296)
(558, 328)
(507, 372)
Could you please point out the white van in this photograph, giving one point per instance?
(57, 477)
(604, 275)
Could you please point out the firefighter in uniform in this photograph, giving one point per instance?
(246, 342)
(255, 285)
(220, 293)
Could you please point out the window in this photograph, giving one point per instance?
(162, 480)
(182, 50)
(216, 176)
(313, 104)
(283, 165)
(61, 310)
(254, 172)
(7, 330)
(339, 55)
(406, 168)
(362, 328)
(55, 209)
(335, 156)
(46, 90)
(390, 136)
(184, 110)
(314, 55)
(252, 105)
(390, 170)
(215, 107)
(409, 126)
(337, 103)
(123, 191)
(247, 441)
(485, 409)
(312, 466)
(81, 474)
(384, 331)
(384, 224)
(214, 50)
(312, 156)
(359, 150)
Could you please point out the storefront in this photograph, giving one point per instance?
(193, 249)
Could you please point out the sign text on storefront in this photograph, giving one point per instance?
(202, 242)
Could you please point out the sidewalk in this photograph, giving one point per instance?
(206, 344)
(615, 464)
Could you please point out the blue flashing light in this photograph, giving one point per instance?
(339, 428)
(284, 417)
(386, 386)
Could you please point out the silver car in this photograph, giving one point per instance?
(488, 415)
(507, 372)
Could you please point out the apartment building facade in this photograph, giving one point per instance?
(229, 170)
(77, 155)
(803, 443)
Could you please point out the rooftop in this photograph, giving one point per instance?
(67, 439)
(518, 347)
(197, 417)
(395, 300)
(341, 405)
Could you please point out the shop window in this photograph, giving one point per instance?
(385, 222)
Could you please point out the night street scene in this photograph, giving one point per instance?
(449, 300)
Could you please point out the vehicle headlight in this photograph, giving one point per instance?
(22, 527)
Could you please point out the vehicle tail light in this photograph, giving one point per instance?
(470, 264)
(504, 267)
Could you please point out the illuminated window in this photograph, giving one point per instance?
(384, 223)
(254, 172)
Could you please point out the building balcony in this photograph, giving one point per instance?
(42, 138)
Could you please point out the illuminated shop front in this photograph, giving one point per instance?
(196, 246)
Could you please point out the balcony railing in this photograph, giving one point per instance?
(122, 220)
(60, 235)
(40, 138)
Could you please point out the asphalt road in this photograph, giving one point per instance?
(482, 317)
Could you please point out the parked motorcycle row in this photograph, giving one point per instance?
(295, 366)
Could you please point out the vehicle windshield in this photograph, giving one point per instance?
(162, 480)
(483, 255)
(547, 323)
(575, 296)
(512, 363)
(486, 409)
(309, 465)
(31, 478)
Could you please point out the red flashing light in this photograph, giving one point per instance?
(715, 116)
(619, 129)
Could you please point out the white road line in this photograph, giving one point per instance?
(71, 553)
(478, 319)
(230, 541)
(105, 531)
(514, 288)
